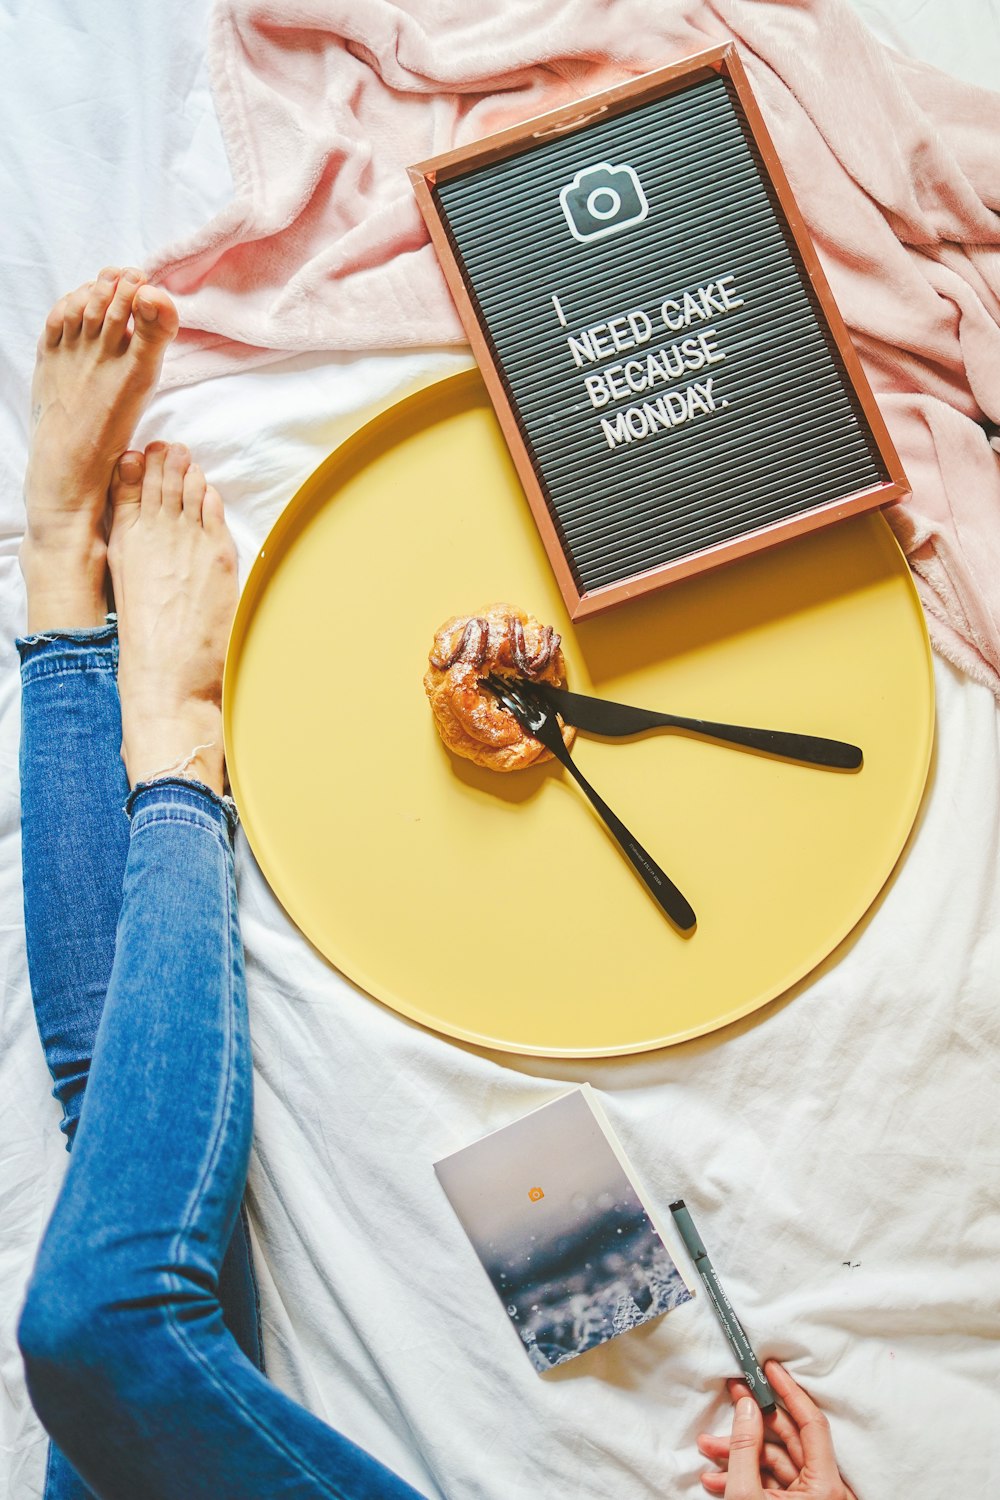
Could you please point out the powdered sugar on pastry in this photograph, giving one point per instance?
(470, 720)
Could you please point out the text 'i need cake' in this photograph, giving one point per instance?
(673, 378)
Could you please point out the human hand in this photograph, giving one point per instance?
(791, 1448)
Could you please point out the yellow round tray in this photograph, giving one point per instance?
(496, 908)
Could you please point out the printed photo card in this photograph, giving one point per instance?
(555, 1216)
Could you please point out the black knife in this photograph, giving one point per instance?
(616, 720)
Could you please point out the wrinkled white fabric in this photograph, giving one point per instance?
(839, 1150)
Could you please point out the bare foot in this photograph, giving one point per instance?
(98, 363)
(173, 567)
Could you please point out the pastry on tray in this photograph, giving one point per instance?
(470, 720)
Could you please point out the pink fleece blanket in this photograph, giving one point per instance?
(896, 167)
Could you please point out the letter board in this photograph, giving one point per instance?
(674, 380)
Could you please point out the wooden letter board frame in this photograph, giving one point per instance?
(840, 380)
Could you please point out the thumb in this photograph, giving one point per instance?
(743, 1479)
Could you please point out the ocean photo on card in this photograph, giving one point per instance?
(561, 1231)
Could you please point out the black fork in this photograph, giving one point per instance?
(540, 721)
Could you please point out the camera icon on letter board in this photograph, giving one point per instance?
(601, 200)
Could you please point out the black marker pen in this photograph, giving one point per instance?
(733, 1328)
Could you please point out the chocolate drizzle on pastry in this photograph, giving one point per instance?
(472, 647)
(548, 645)
(465, 651)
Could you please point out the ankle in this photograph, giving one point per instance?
(77, 544)
(63, 516)
(188, 744)
(66, 584)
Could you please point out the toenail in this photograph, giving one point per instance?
(131, 274)
(130, 468)
(147, 307)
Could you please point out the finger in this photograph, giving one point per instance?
(777, 1424)
(714, 1482)
(743, 1479)
(776, 1461)
(814, 1429)
(780, 1425)
(774, 1457)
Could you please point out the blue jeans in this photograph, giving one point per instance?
(140, 1332)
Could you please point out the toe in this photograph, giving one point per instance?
(213, 519)
(152, 479)
(119, 309)
(74, 305)
(175, 466)
(54, 325)
(101, 293)
(155, 320)
(213, 512)
(126, 484)
(194, 492)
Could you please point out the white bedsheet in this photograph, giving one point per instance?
(840, 1149)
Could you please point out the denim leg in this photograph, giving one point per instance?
(129, 1364)
(74, 842)
(75, 839)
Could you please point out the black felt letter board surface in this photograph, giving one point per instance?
(667, 360)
